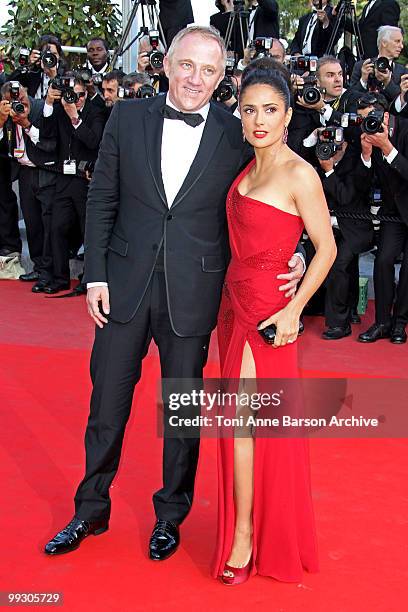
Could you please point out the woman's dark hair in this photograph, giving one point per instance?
(267, 71)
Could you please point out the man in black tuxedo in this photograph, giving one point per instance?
(156, 252)
(345, 193)
(77, 128)
(174, 16)
(314, 30)
(376, 13)
(385, 155)
(21, 137)
(390, 46)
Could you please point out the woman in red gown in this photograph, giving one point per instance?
(265, 515)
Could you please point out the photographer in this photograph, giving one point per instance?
(43, 66)
(97, 52)
(400, 104)
(77, 125)
(314, 30)
(110, 87)
(263, 47)
(135, 81)
(382, 73)
(385, 155)
(344, 192)
(149, 45)
(174, 16)
(19, 134)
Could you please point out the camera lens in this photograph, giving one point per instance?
(311, 95)
(145, 91)
(156, 59)
(17, 107)
(49, 59)
(325, 150)
(70, 96)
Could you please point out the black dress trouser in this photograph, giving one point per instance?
(9, 232)
(116, 364)
(342, 286)
(393, 241)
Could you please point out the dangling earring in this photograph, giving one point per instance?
(243, 136)
(285, 135)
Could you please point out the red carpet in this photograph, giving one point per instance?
(359, 486)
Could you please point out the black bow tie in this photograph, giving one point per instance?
(192, 119)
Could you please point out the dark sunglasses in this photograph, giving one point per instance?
(81, 94)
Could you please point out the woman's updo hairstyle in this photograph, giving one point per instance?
(267, 71)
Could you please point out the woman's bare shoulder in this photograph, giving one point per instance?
(300, 170)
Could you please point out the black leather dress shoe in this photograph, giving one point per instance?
(72, 535)
(39, 286)
(56, 288)
(398, 334)
(31, 277)
(336, 332)
(378, 331)
(355, 317)
(164, 541)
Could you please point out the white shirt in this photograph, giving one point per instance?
(368, 7)
(307, 43)
(180, 143)
(33, 133)
(43, 87)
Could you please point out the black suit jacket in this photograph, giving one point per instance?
(174, 16)
(266, 20)
(383, 12)
(128, 219)
(391, 91)
(393, 178)
(346, 192)
(320, 38)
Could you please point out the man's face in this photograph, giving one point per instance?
(277, 52)
(96, 53)
(330, 77)
(194, 71)
(315, 4)
(392, 48)
(110, 92)
(81, 91)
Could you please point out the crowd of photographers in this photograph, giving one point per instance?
(353, 128)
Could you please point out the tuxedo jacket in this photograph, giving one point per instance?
(320, 38)
(383, 12)
(40, 154)
(391, 91)
(346, 192)
(174, 16)
(393, 178)
(129, 222)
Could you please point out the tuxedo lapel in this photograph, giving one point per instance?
(374, 7)
(153, 132)
(212, 134)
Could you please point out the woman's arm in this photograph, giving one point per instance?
(308, 195)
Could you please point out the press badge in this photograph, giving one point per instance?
(69, 166)
(18, 153)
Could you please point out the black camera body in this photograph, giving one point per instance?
(146, 91)
(299, 64)
(227, 89)
(85, 74)
(261, 46)
(65, 84)
(382, 64)
(16, 105)
(329, 141)
(126, 93)
(372, 124)
(155, 56)
(350, 120)
(309, 91)
(23, 58)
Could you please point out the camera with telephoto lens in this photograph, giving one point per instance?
(146, 91)
(372, 123)
(329, 141)
(261, 45)
(309, 91)
(299, 64)
(227, 89)
(126, 93)
(48, 58)
(155, 57)
(382, 64)
(65, 84)
(350, 120)
(16, 105)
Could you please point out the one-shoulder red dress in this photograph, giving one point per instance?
(262, 239)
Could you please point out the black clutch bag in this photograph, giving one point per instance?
(268, 333)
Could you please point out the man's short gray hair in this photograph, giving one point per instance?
(134, 78)
(384, 33)
(208, 32)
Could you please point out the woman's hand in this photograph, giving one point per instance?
(287, 326)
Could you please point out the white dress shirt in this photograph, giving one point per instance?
(368, 7)
(180, 143)
(307, 43)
